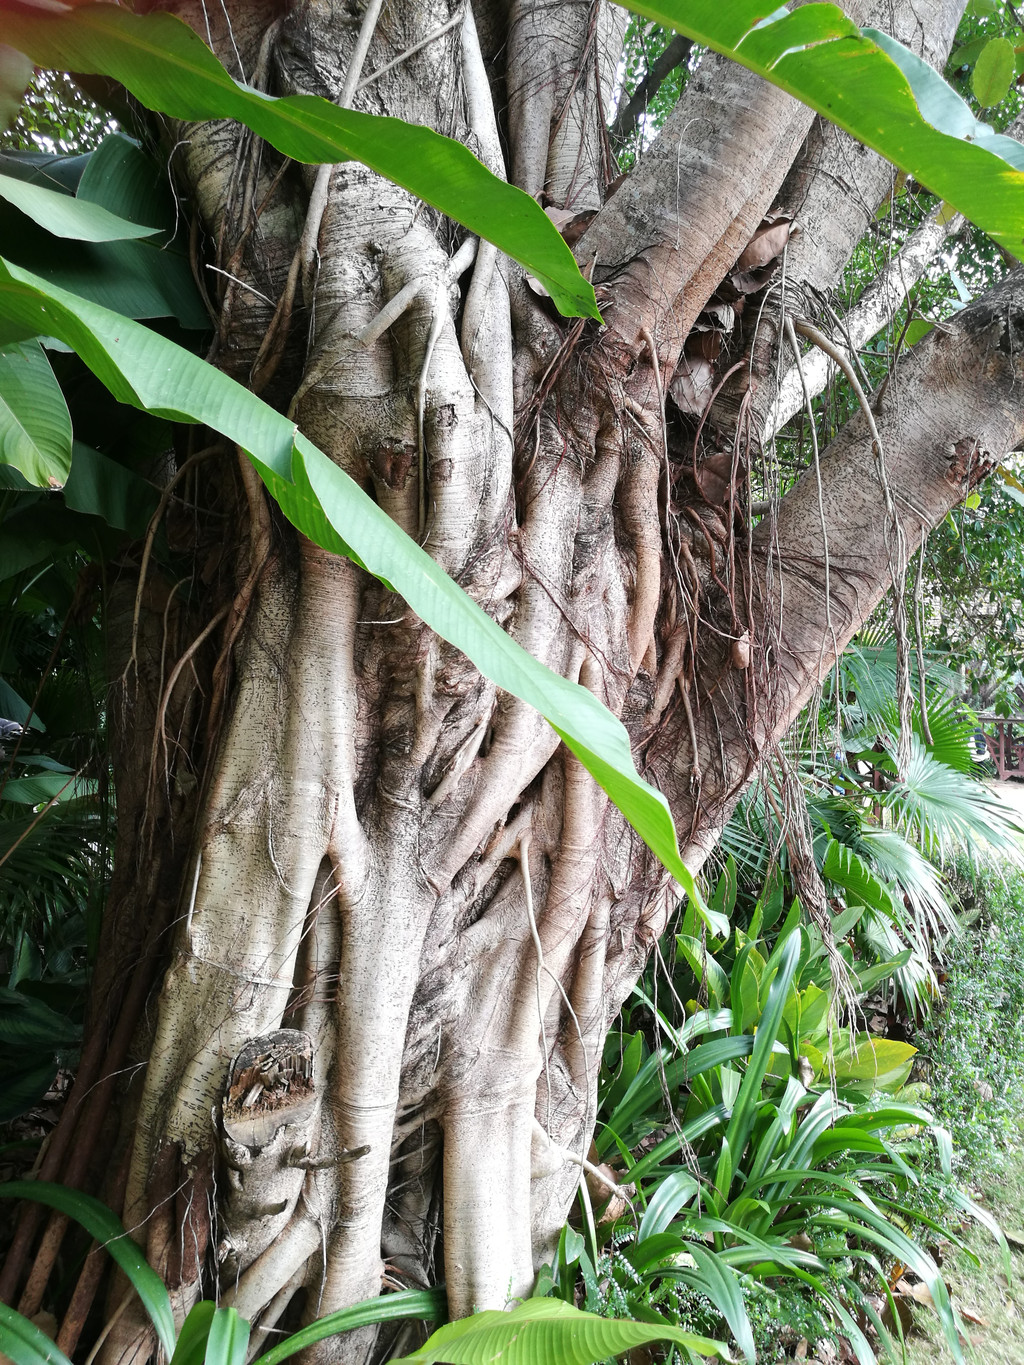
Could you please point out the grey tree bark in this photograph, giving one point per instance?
(407, 916)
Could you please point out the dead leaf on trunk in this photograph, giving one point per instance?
(767, 243)
(692, 385)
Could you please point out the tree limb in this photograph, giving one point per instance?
(630, 111)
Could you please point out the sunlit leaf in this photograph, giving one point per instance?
(993, 72)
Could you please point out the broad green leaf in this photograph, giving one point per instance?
(25, 1022)
(21, 1086)
(673, 1193)
(141, 278)
(426, 1304)
(35, 426)
(872, 1059)
(64, 216)
(170, 69)
(228, 1338)
(121, 178)
(877, 90)
(22, 1341)
(34, 791)
(103, 488)
(993, 72)
(101, 1224)
(540, 1331)
(14, 707)
(918, 329)
(148, 371)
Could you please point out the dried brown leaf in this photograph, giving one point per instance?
(767, 243)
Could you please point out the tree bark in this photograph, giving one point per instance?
(392, 860)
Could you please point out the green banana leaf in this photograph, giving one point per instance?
(150, 372)
(543, 1330)
(64, 216)
(876, 89)
(170, 69)
(35, 425)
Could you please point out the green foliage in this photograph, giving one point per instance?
(55, 114)
(168, 67)
(35, 425)
(216, 1336)
(748, 1169)
(975, 1043)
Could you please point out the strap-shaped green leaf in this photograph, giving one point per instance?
(430, 1305)
(101, 1224)
(170, 69)
(543, 1330)
(876, 89)
(148, 371)
(24, 1343)
(228, 1338)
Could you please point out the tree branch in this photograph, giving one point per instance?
(630, 111)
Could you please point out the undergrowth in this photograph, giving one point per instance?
(974, 1041)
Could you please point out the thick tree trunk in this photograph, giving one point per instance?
(393, 861)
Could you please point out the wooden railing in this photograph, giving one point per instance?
(1006, 745)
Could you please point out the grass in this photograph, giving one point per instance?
(983, 1290)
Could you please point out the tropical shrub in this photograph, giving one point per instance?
(750, 1170)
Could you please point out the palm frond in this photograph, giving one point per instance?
(942, 809)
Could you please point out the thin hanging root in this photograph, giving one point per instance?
(794, 345)
(176, 672)
(524, 862)
(147, 550)
(456, 18)
(897, 547)
(919, 644)
(440, 312)
(824, 343)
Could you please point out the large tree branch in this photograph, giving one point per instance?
(833, 192)
(958, 412)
